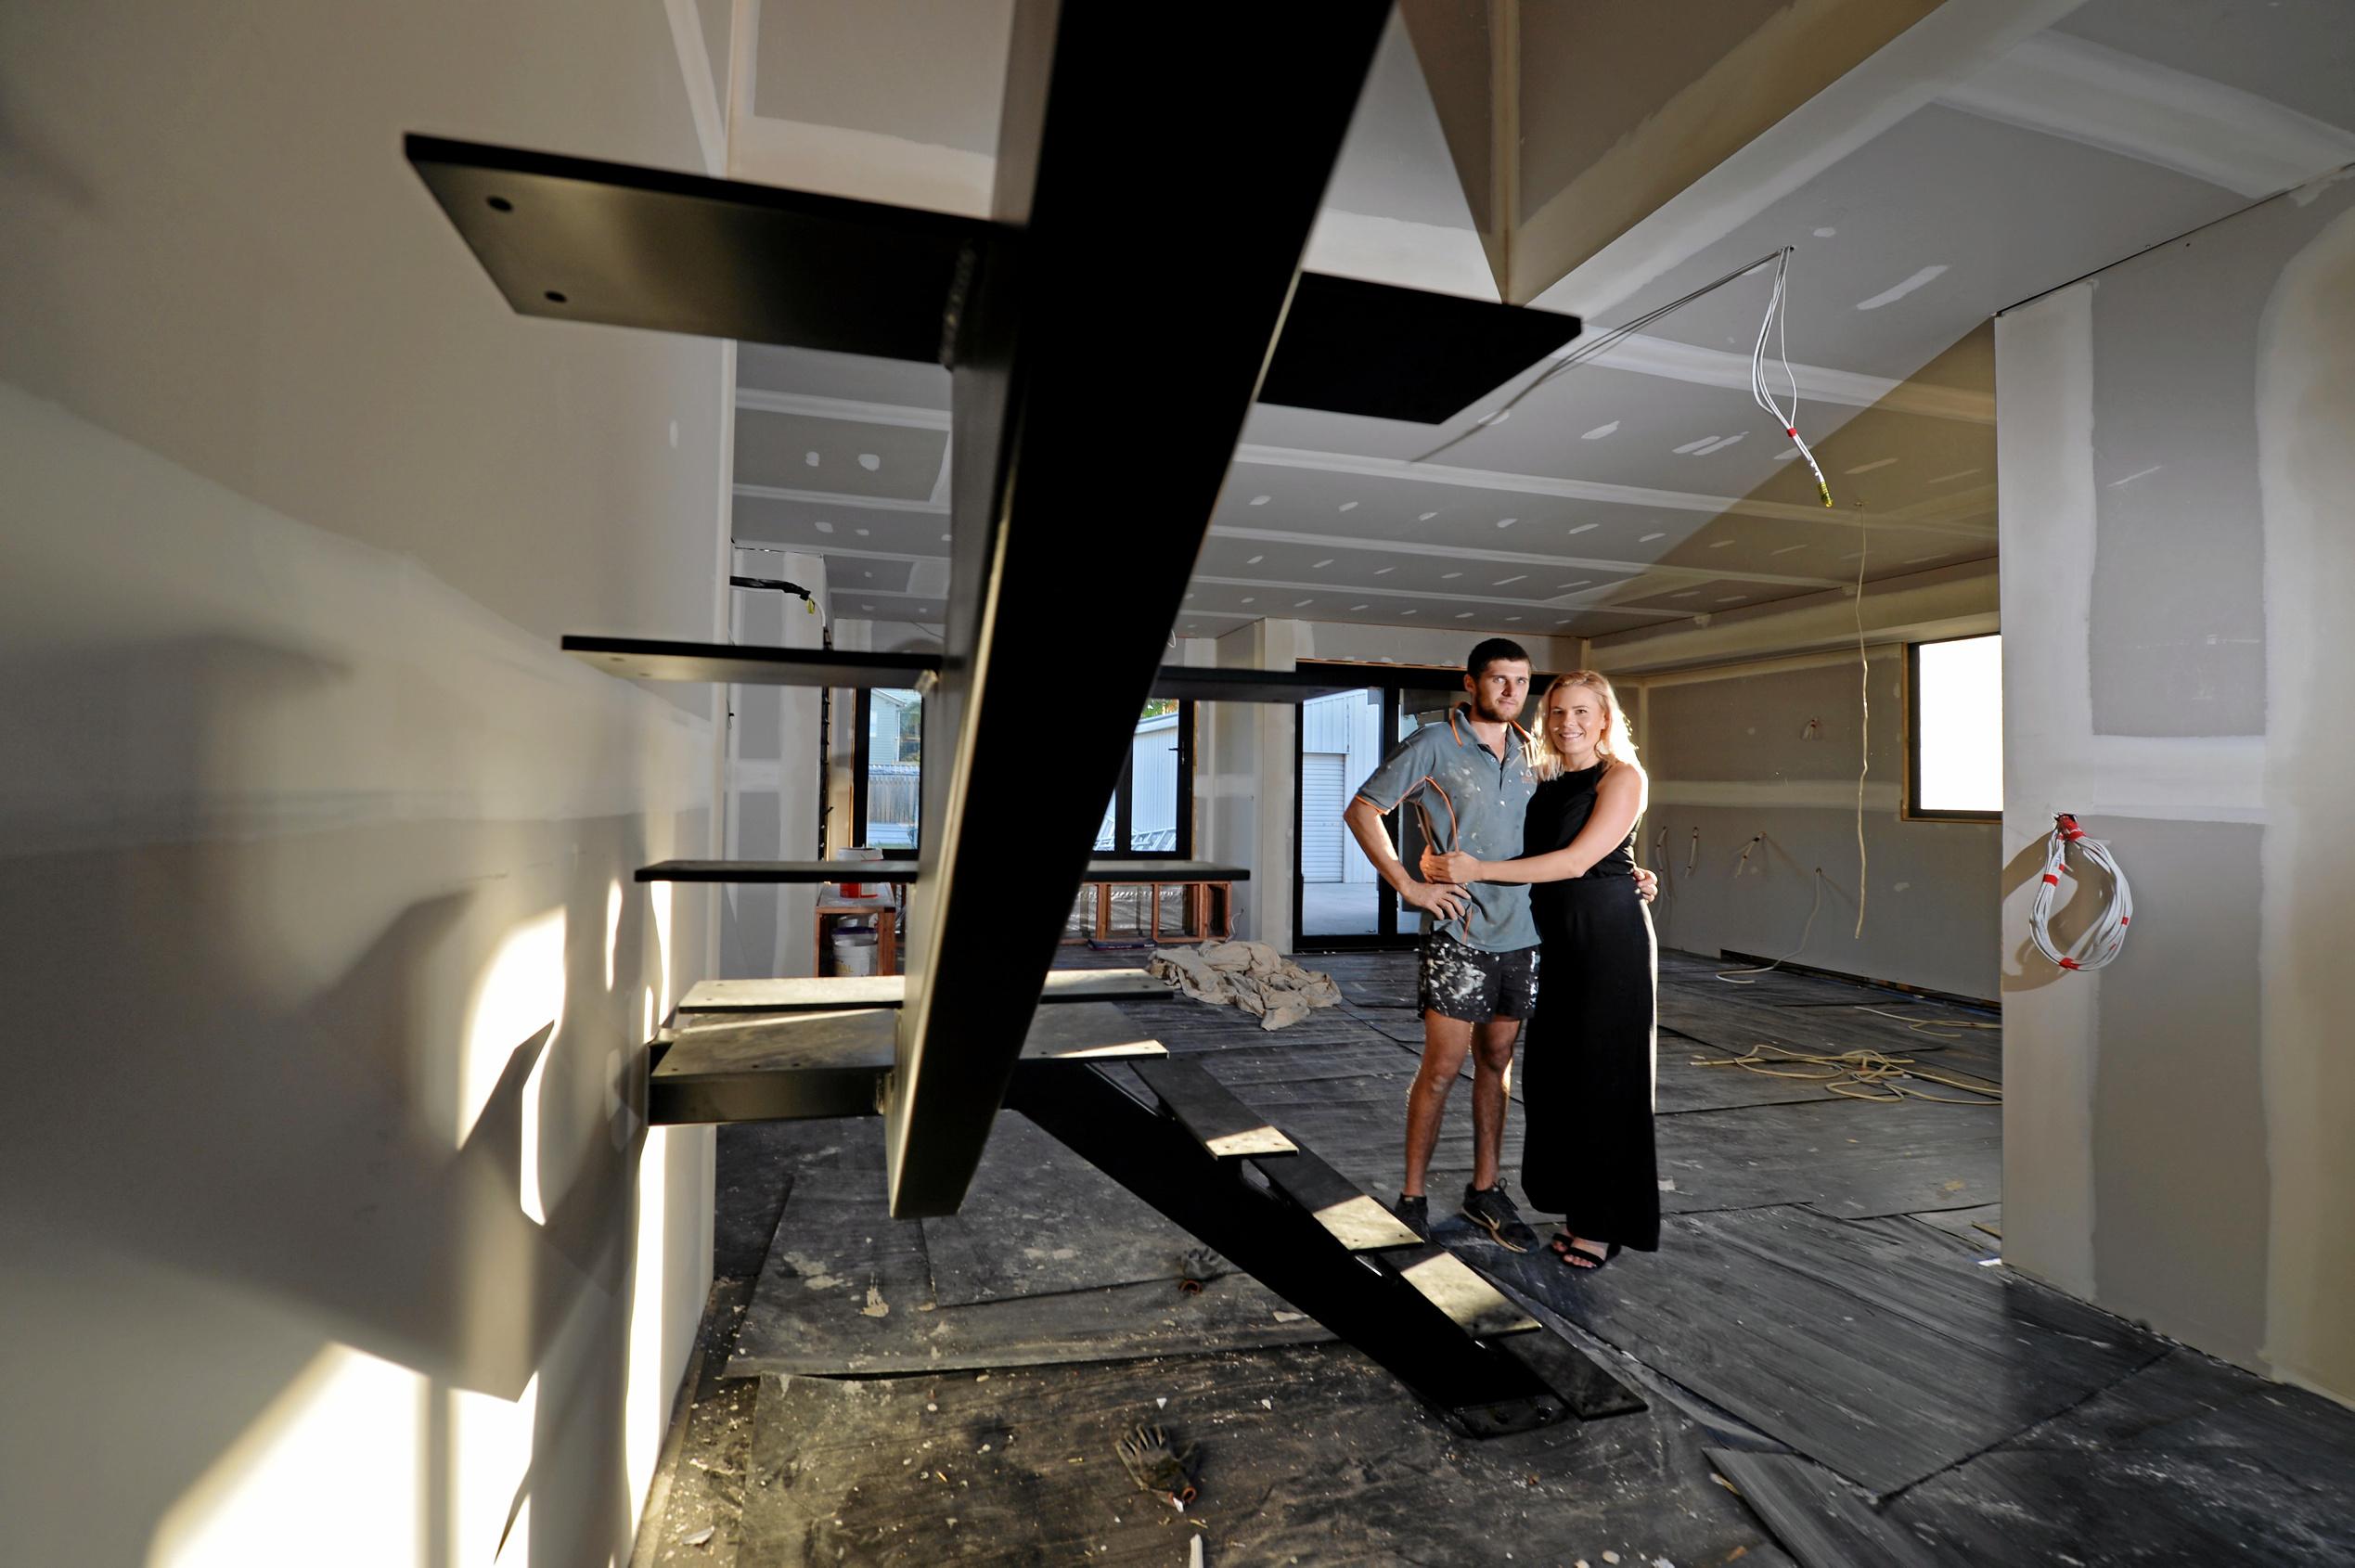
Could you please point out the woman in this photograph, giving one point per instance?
(1588, 1077)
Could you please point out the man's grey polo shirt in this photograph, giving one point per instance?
(1474, 801)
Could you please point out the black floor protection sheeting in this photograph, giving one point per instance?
(848, 1291)
(2186, 1461)
(1308, 1455)
(1838, 1371)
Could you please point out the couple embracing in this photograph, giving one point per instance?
(1531, 857)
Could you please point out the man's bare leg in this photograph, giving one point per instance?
(1491, 1091)
(1446, 1042)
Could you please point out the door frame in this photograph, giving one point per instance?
(1393, 681)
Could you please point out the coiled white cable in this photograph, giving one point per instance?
(2106, 937)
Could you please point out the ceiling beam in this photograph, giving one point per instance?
(1946, 47)
(2086, 92)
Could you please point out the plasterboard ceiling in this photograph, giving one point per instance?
(929, 71)
(1643, 488)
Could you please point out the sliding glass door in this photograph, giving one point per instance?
(1338, 901)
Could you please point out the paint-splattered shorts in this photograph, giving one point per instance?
(1455, 981)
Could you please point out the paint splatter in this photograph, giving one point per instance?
(1891, 296)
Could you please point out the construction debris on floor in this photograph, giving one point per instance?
(1832, 1367)
(1250, 975)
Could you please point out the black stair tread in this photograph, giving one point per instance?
(1223, 1123)
(1125, 871)
(1355, 1220)
(735, 1066)
(649, 659)
(864, 1038)
(584, 240)
(1448, 1283)
(779, 871)
(833, 993)
(1353, 347)
(1210, 683)
(1138, 872)
(580, 239)
(652, 660)
(1590, 1391)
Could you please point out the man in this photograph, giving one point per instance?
(1471, 778)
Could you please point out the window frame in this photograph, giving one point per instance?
(862, 754)
(1124, 801)
(1911, 809)
(1124, 794)
(1395, 929)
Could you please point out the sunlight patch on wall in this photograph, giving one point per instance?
(521, 991)
(660, 896)
(612, 929)
(647, 1392)
(490, 1463)
(335, 1458)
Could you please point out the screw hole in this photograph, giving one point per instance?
(554, 298)
(501, 204)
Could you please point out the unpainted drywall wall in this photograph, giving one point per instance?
(2178, 1106)
(1731, 755)
(2306, 406)
(333, 1229)
(2173, 453)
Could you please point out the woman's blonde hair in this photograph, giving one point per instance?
(1615, 744)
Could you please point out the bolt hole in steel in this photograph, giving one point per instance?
(554, 298)
(501, 204)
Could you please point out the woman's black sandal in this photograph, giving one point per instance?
(1584, 1262)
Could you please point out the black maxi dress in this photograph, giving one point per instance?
(1588, 1075)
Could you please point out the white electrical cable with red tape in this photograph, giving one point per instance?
(2106, 937)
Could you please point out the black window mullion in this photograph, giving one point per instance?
(860, 760)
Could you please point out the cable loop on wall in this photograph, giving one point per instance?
(2106, 937)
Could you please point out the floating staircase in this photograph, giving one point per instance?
(1155, 185)
(1166, 1129)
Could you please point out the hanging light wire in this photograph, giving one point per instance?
(1761, 392)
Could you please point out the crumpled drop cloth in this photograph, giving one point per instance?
(1250, 975)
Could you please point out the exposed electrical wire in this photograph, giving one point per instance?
(2105, 938)
(1857, 1074)
(1586, 349)
(1864, 727)
(1730, 976)
(1693, 852)
(1761, 392)
(1930, 1027)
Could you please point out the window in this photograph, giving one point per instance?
(1152, 812)
(1954, 733)
(1338, 903)
(887, 782)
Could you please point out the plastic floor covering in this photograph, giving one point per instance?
(1837, 1368)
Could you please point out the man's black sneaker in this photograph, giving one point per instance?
(1493, 1212)
(1414, 1213)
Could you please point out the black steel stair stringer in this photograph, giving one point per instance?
(1482, 1388)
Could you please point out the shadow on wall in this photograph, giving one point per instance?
(336, 1233)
